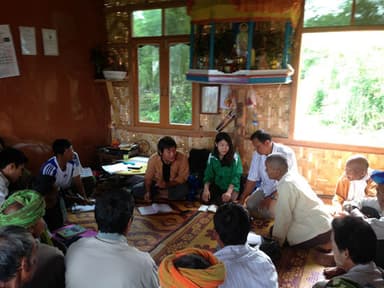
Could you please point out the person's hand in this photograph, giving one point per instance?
(161, 184)
(147, 197)
(340, 214)
(206, 196)
(226, 197)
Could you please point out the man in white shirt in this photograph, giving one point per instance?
(107, 260)
(301, 217)
(261, 202)
(245, 266)
(64, 167)
(11, 168)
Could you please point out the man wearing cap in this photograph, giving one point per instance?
(25, 208)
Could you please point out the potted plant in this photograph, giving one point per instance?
(114, 69)
(108, 65)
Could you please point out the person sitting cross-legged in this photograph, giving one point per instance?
(354, 248)
(260, 188)
(223, 172)
(167, 174)
(354, 185)
(107, 260)
(191, 267)
(245, 266)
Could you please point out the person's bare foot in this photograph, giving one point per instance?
(332, 272)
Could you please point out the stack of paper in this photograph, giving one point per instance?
(114, 168)
(155, 209)
(208, 208)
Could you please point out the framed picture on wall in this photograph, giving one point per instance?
(209, 99)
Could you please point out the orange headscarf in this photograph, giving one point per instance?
(172, 277)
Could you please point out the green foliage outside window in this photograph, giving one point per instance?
(341, 85)
(148, 23)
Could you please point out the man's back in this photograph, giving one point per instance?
(300, 214)
(247, 267)
(101, 262)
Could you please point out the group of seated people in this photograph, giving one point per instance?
(274, 189)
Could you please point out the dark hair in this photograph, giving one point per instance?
(232, 224)
(113, 210)
(165, 143)
(15, 244)
(357, 236)
(261, 136)
(228, 158)
(191, 261)
(11, 155)
(60, 145)
(277, 161)
(44, 184)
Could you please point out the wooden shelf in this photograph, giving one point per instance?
(241, 77)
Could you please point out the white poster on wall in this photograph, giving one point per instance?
(50, 42)
(27, 40)
(8, 60)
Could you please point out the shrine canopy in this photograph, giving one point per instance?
(205, 11)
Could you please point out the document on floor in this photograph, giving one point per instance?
(155, 208)
(208, 208)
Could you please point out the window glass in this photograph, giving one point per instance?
(149, 84)
(340, 91)
(180, 111)
(327, 13)
(177, 21)
(147, 23)
(369, 12)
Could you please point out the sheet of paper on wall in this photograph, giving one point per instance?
(27, 40)
(50, 42)
(8, 60)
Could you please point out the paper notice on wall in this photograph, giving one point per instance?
(8, 60)
(27, 40)
(50, 42)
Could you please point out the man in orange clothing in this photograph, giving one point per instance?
(355, 184)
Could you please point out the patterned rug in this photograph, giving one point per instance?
(163, 234)
(147, 231)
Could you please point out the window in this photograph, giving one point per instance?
(340, 95)
(161, 50)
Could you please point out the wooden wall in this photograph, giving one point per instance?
(265, 107)
(55, 96)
